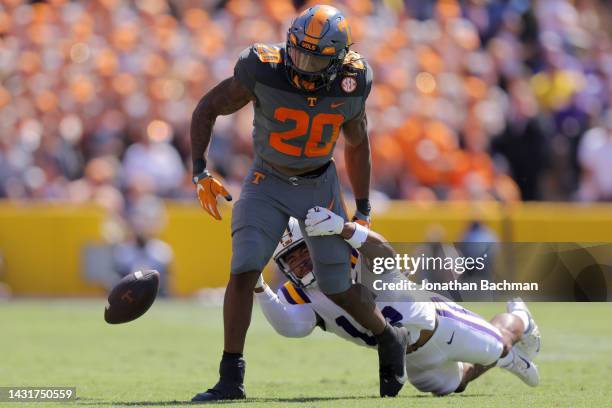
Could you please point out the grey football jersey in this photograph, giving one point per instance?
(298, 128)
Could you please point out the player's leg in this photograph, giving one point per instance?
(252, 247)
(334, 280)
(511, 328)
(256, 230)
(431, 367)
(331, 262)
(331, 257)
(465, 338)
(358, 301)
(463, 347)
(237, 309)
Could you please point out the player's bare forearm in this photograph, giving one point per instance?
(357, 156)
(375, 245)
(229, 96)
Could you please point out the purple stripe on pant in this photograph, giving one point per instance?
(454, 307)
(483, 329)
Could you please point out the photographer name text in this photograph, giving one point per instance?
(484, 284)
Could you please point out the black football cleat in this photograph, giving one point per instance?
(231, 382)
(392, 344)
(221, 392)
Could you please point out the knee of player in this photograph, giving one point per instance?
(334, 281)
(242, 266)
(249, 255)
(245, 280)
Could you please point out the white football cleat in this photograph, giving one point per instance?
(531, 341)
(523, 368)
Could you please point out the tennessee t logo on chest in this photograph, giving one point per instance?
(257, 177)
(312, 101)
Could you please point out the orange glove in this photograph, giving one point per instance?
(208, 188)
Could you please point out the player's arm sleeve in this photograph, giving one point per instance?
(246, 67)
(288, 320)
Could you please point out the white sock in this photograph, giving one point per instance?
(505, 361)
(521, 314)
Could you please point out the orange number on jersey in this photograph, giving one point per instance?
(301, 119)
(316, 133)
(277, 139)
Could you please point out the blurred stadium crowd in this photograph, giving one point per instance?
(472, 99)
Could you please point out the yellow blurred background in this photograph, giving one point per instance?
(42, 244)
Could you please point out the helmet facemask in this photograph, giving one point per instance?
(309, 70)
(295, 263)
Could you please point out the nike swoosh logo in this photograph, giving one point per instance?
(525, 361)
(335, 105)
(403, 378)
(451, 339)
(328, 217)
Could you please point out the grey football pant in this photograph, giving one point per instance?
(260, 217)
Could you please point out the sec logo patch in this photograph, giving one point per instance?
(348, 84)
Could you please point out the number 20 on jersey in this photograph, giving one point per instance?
(313, 146)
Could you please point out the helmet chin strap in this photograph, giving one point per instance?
(302, 83)
(331, 79)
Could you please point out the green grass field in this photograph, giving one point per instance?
(173, 352)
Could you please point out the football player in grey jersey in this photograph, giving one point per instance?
(303, 92)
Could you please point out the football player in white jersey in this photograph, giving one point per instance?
(450, 346)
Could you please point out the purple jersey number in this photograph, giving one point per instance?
(391, 314)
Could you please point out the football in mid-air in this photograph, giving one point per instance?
(132, 297)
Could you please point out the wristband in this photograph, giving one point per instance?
(363, 206)
(200, 176)
(199, 165)
(361, 217)
(359, 236)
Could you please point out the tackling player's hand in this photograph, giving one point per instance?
(321, 221)
(208, 188)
